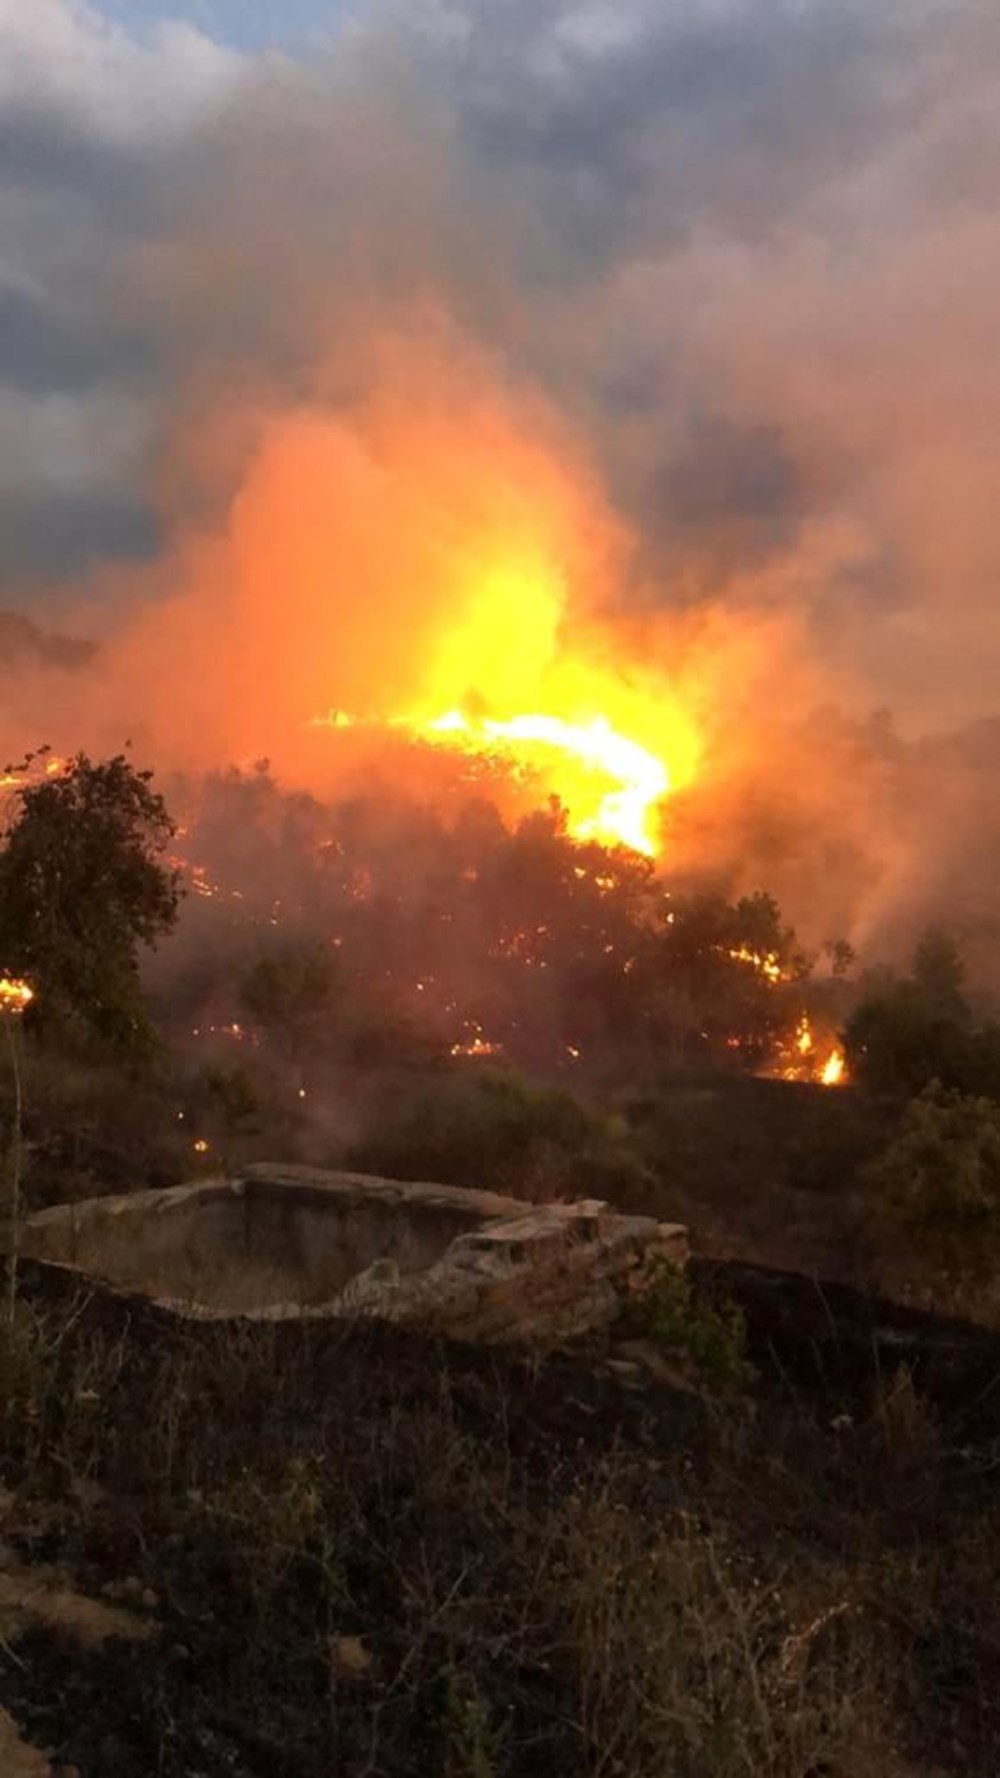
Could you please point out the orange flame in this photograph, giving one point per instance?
(609, 783)
(765, 963)
(16, 778)
(578, 756)
(477, 1044)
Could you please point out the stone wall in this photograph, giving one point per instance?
(282, 1241)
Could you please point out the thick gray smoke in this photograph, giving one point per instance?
(712, 283)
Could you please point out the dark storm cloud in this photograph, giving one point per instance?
(42, 147)
(688, 121)
(43, 349)
(89, 118)
(59, 536)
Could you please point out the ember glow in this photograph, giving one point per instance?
(16, 995)
(477, 1045)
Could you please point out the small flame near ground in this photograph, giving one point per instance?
(16, 995)
(805, 1063)
(834, 1072)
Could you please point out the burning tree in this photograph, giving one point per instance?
(83, 887)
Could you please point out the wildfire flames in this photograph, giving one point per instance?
(767, 966)
(576, 761)
(610, 783)
(501, 662)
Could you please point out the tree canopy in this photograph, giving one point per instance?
(84, 885)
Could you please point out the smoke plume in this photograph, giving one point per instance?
(532, 351)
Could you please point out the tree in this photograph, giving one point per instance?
(908, 1031)
(291, 993)
(83, 887)
(841, 957)
(725, 974)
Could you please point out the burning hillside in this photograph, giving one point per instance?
(473, 937)
(493, 400)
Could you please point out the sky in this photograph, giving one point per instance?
(249, 25)
(746, 252)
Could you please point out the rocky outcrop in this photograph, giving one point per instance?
(546, 1274)
(278, 1242)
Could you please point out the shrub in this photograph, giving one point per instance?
(710, 1334)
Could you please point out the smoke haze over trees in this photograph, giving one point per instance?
(697, 307)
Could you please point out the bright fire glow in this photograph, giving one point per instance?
(609, 784)
(578, 756)
(766, 963)
(498, 673)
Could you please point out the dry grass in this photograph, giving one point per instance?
(388, 1561)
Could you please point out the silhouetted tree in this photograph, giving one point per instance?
(939, 975)
(908, 1031)
(84, 886)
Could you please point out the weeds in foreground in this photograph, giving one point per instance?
(15, 996)
(389, 1562)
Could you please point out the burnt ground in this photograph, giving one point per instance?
(367, 1556)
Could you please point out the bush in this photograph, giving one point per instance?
(940, 1174)
(496, 1130)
